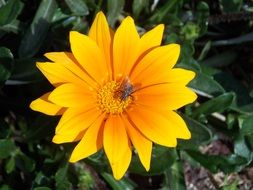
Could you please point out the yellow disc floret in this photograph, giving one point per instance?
(109, 99)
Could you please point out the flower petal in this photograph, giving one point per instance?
(70, 137)
(125, 47)
(57, 74)
(148, 41)
(156, 75)
(91, 142)
(76, 121)
(180, 129)
(160, 59)
(177, 124)
(69, 62)
(153, 125)
(165, 96)
(71, 95)
(151, 38)
(141, 144)
(120, 167)
(100, 32)
(179, 76)
(116, 145)
(89, 56)
(43, 105)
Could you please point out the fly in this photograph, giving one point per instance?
(125, 90)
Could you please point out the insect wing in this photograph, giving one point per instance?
(126, 88)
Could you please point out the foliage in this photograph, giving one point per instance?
(218, 49)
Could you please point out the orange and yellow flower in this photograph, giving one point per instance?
(116, 91)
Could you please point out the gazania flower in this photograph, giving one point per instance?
(116, 92)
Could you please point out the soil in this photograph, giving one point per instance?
(202, 179)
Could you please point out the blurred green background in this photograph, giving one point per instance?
(216, 38)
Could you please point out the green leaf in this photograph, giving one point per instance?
(25, 71)
(61, 178)
(210, 71)
(206, 84)
(10, 165)
(190, 31)
(205, 50)
(42, 188)
(85, 178)
(6, 60)
(218, 104)
(202, 14)
(24, 163)
(231, 121)
(2, 3)
(114, 8)
(242, 103)
(80, 25)
(160, 14)
(249, 141)
(37, 32)
(138, 6)
(61, 173)
(231, 5)
(41, 127)
(232, 186)
(200, 134)
(230, 163)
(41, 179)
(233, 41)
(174, 177)
(220, 60)
(4, 128)
(162, 158)
(7, 148)
(187, 51)
(10, 11)
(78, 7)
(170, 38)
(242, 149)
(118, 185)
(99, 161)
(5, 187)
(190, 64)
(13, 26)
(245, 124)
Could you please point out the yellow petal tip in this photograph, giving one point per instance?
(117, 174)
(118, 177)
(38, 64)
(192, 73)
(100, 13)
(49, 55)
(33, 105)
(189, 136)
(194, 97)
(177, 47)
(128, 20)
(56, 139)
(147, 168)
(73, 158)
(160, 27)
(72, 34)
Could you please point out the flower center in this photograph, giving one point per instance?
(112, 98)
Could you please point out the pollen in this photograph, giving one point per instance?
(109, 100)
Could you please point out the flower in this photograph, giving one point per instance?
(116, 91)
